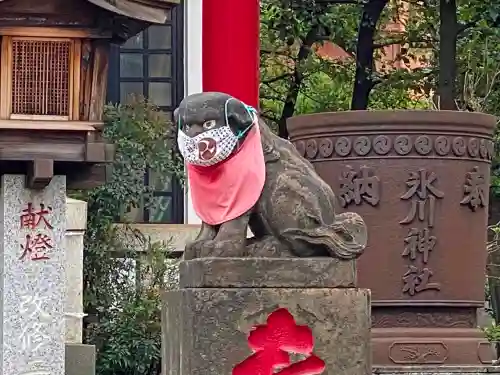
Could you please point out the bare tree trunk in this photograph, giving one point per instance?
(364, 82)
(296, 81)
(448, 30)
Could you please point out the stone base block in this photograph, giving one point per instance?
(436, 370)
(80, 359)
(205, 330)
(431, 346)
(267, 273)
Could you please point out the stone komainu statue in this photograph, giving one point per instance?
(241, 175)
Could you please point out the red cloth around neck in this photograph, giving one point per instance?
(227, 190)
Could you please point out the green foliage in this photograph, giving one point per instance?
(331, 90)
(493, 266)
(129, 339)
(479, 83)
(477, 32)
(128, 335)
(294, 72)
(327, 86)
(492, 332)
(123, 319)
(287, 24)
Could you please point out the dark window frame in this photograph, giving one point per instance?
(177, 86)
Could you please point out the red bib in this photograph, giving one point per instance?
(227, 190)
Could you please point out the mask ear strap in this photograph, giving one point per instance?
(179, 122)
(225, 111)
(252, 112)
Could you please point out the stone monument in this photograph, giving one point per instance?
(33, 276)
(244, 304)
(54, 66)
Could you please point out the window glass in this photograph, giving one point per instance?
(160, 65)
(160, 210)
(136, 42)
(160, 37)
(160, 93)
(130, 88)
(160, 183)
(131, 65)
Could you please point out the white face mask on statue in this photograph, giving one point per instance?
(212, 146)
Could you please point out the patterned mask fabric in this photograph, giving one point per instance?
(212, 146)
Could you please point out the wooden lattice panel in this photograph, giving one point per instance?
(41, 77)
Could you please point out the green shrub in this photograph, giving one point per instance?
(124, 311)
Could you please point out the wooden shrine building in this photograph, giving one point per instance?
(53, 81)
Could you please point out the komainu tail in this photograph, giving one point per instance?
(345, 239)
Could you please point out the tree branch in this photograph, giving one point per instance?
(274, 52)
(342, 44)
(277, 78)
(266, 116)
(462, 27)
(338, 42)
(329, 2)
(402, 41)
(271, 97)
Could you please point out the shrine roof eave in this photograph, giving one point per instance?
(153, 11)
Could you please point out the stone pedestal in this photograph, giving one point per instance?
(32, 286)
(205, 324)
(80, 359)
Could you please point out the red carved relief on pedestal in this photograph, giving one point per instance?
(272, 342)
